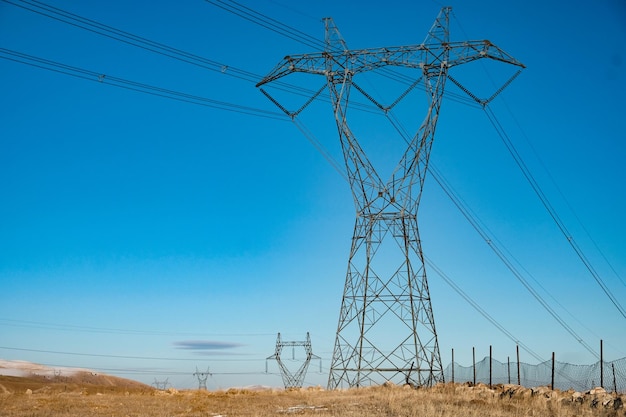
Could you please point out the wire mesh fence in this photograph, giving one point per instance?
(559, 375)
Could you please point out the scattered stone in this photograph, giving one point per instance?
(596, 391)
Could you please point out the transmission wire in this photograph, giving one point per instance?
(498, 251)
(77, 72)
(551, 211)
(546, 203)
(561, 193)
(267, 22)
(501, 255)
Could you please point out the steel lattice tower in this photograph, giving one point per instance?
(292, 380)
(386, 329)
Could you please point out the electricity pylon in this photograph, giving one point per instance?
(160, 385)
(293, 380)
(386, 329)
(202, 377)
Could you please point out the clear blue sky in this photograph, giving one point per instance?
(134, 226)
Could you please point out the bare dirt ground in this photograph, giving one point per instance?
(92, 395)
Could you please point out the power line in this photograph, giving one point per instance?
(97, 355)
(551, 211)
(267, 22)
(91, 329)
(545, 168)
(77, 72)
(283, 29)
(480, 310)
(476, 224)
(128, 38)
(548, 206)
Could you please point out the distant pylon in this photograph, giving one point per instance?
(160, 385)
(386, 329)
(202, 377)
(293, 380)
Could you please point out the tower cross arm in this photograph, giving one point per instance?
(310, 63)
(462, 52)
(412, 56)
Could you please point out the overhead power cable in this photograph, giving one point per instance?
(547, 171)
(77, 72)
(108, 330)
(480, 310)
(96, 355)
(546, 203)
(283, 29)
(267, 22)
(550, 209)
(128, 38)
(476, 224)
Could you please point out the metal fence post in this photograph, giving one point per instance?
(474, 362)
(518, 373)
(552, 380)
(453, 365)
(490, 356)
(601, 365)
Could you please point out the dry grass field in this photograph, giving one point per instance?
(121, 398)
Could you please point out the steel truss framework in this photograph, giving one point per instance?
(202, 377)
(291, 380)
(386, 329)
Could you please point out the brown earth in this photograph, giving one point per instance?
(102, 395)
(82, 382)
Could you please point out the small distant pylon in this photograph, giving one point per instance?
(293, 380)
(161, 385)
(202, 377)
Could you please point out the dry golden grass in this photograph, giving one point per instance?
(443, 400)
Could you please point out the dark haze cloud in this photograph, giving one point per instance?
(205, 345)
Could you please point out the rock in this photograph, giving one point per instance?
(596, 391)
(577, 397)
(29, 391)
(541, 391)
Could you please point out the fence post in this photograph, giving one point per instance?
(490, 366)
(508, 368)
(474, 362)
(552, 380)
(614, 380)
(518, 374)
(453, 365)
(601, 365)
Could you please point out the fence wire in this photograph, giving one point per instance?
(566, 375)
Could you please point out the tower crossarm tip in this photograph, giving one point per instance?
(467, 51)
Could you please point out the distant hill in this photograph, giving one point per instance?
(20, 376)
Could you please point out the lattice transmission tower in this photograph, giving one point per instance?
(161, 385)
(202, 377)
(386, 329)
(293, 380)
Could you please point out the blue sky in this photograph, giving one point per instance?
(145, 236)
